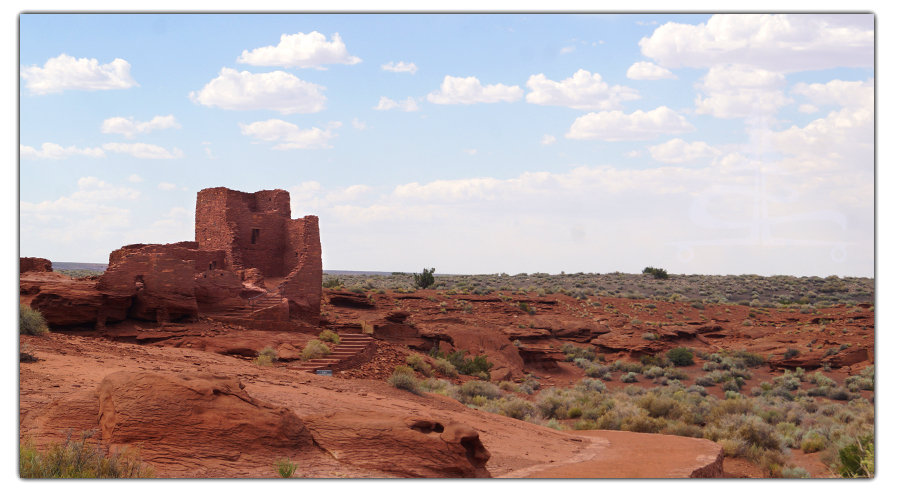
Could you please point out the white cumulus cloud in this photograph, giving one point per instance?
(67, 73)
(470, 151)
(566, 50)
(145, 151)
(458, 90)
(400, 67)
(51, 151)
(638, 126)
(167, 186)
(855, 94)
(276, 91)
(135, 178)
(358, 125)
(289, 135)
(739, 90)
(779, 42)
(581, 91)
(646, 70)
(301, 51)
(129, 128)
(385, 104)
(548, 140)
(679, 151)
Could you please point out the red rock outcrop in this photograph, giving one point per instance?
(79, 303)
(38, 264)
(413, 447)
(189, 421)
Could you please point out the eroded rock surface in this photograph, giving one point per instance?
(412, 447)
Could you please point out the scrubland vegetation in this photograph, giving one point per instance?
(78, 458)
(805, 293)
(761, 424)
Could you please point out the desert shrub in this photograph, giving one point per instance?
(506, 385)
(553, 424)
(578, 352)
(445, 367)
(790, 353)
(425, 279)
(592, 385)
(658, 273)
(674, 373)
(838, 394)
(756, 432)
(625, 366)
(680, 356)
(437, 385)
(404, 378)
(653, 372)
(329, 336)
(266, 356)
(596, 371)
(474, 388)
(464, 365)
(77, 458)
(629, 377)
(284, 467)
(31, 321)
(575, 412)
(418, 364)
(650, 336)
(858, 459)
(332, 283)
(314, 349)
(812, 442)
(794, 472)
(697, 390)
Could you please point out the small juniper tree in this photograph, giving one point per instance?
(425, 279)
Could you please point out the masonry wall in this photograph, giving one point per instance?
(204, 260)
(162, 285)
(250, 227)
(304, 285)
(211, 229)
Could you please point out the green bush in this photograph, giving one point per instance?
(329, 336)
(680, 356)
(858, 459)
(315, 349)
(629, 377)
(418, 364)
(464, 365)
(80, 459)
(285, 468)
(658, 273)
(31, 321)
(425, 279)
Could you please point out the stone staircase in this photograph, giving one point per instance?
(352, 350)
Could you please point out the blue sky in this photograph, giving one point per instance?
(472, 143)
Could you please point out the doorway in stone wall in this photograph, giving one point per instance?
(254, 236)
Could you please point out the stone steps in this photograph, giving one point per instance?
(351, 345)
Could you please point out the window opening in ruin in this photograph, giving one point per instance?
(254, 236)
(212, 265)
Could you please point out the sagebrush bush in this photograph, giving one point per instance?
(31, 321)
(314, 349)
(80, 459)
(266, 356)
(418, 364)
(404, 378)
(330, 336)
(445, 367)
(474, 388)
